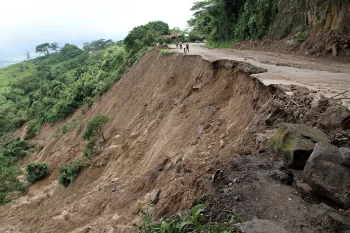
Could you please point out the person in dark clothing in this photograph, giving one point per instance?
(188, 47)
(180, 45)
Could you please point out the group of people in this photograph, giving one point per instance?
(186, 47)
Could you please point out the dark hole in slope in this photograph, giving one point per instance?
(300, 158)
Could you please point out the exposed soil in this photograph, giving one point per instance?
(175, 120)
(319, 51)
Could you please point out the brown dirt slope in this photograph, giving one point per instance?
(175, 113)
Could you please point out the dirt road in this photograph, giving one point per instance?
(328, 78)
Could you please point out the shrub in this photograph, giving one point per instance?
(302, 35)
(36, 171)
(69, 171)
(89, 149)
(196, 222)
(166, 51)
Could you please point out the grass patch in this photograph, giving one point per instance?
(13, 73)
(166, 51)
(220, 44)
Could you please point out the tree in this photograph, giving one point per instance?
(54, 46)
(145, 35)
(216, 18)
(159, 26)
(95, 128)
(28, 56)
(69, 51)
(43, 48)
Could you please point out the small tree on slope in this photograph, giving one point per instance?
(95, 128)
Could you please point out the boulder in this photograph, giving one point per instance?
(326, 175)
(295, 143)
(335, 117)
(282, 175)
(261, 226)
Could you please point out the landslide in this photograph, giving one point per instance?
(174, 120)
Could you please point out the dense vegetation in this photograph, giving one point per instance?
(11, 151)
(52, 87)
(224, 22)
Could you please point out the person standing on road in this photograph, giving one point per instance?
(180, 45)
(188, 47)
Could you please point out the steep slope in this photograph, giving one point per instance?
(173, 120)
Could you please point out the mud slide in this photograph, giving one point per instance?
(174, 120)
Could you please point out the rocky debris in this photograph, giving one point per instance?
(295, 143)
(261, 226)
(154, 198)
(335, 117)
(282, 175)
(326, 175)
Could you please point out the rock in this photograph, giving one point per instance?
(328, 217)
(200, 129)
(319, 100)
(335, 117)
(197, 87)
(261, 226)
(295, 143)
(111, 230)
(155, 196)
(260, 138)
(345, 160)
(326, 175)
(222, 143)
(291, 42)
(282, 175)
(304, 187)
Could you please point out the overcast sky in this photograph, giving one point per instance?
(26, 23)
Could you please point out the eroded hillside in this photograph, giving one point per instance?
(175, 119)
